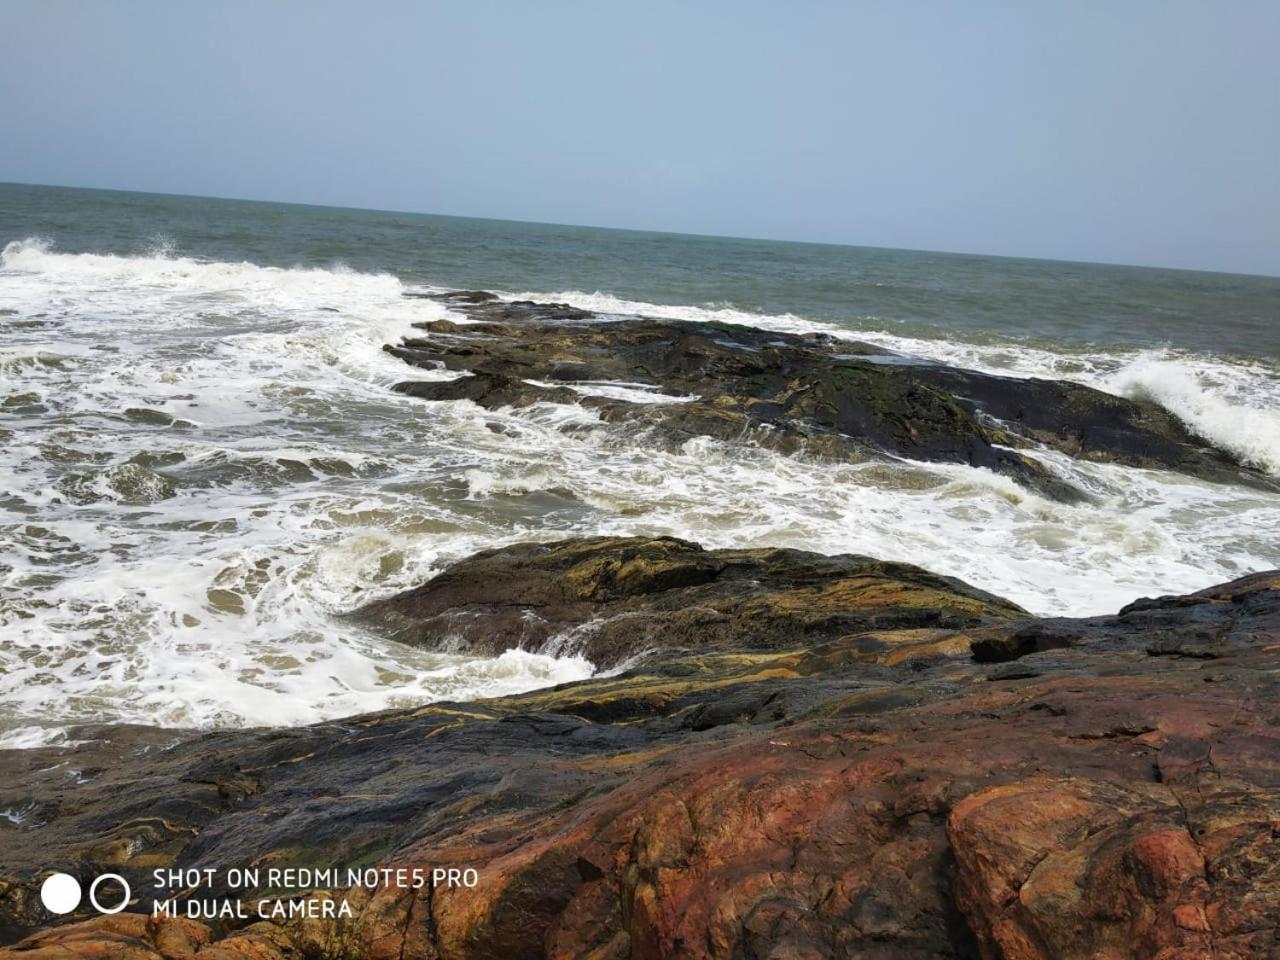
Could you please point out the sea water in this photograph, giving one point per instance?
(202, 462)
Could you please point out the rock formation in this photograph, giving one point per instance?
(811, 393)
(784, 755)
(618, 600)
(899, 766)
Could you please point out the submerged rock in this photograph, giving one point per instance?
(792, 392)
(864, 788)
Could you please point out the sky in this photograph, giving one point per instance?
(1144, 132)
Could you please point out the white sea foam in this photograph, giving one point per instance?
(616, 390)
(1208, 399)
(1232, 403)
(203, 464)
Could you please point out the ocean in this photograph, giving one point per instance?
(202, 463)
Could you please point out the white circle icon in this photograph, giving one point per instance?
(93, 893)
(60, 893)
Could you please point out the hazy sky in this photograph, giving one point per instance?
(1139, 132)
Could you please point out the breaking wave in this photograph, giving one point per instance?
(1231, 403)
(202, 463)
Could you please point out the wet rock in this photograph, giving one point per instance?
(1019, 670)
(809, 393)
(1091, 424)
(461, 296)
(488, 306)
(869, 793)
(495, 389)
(615, 600)
(1081, 869)
(1003, 646)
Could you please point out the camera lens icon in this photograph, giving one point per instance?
(61, 894)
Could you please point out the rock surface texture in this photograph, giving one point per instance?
(810, 393)
(619, 600)
(833, 758)
(786, 755)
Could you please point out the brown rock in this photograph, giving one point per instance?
(614, 599)
(834, 800)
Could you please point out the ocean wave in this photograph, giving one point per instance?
(163, 273)
(206, 464)
(1194, 391)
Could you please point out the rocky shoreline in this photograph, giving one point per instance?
(785, 755)
(631, 601)
(810, 393)
(899, 766)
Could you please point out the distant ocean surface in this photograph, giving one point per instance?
(201, 461)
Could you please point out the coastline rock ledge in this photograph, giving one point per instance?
(793, 757)
(797, 393)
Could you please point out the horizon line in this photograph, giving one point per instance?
(672, 233)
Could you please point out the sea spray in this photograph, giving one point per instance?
(204, 466)
(1232, 402)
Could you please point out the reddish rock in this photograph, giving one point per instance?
(870, 796)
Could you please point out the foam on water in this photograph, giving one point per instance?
(203, 465)
(1237, 406)
(1234, 403)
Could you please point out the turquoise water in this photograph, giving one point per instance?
(202, 461)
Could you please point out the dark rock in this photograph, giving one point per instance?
(810, 393)
(455, 296)
(1014, 671)
(615, 599)
(495, 389)
(487, 306)
(467, 296)
(1034, 638)
(840, 795)
(1091, 424)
